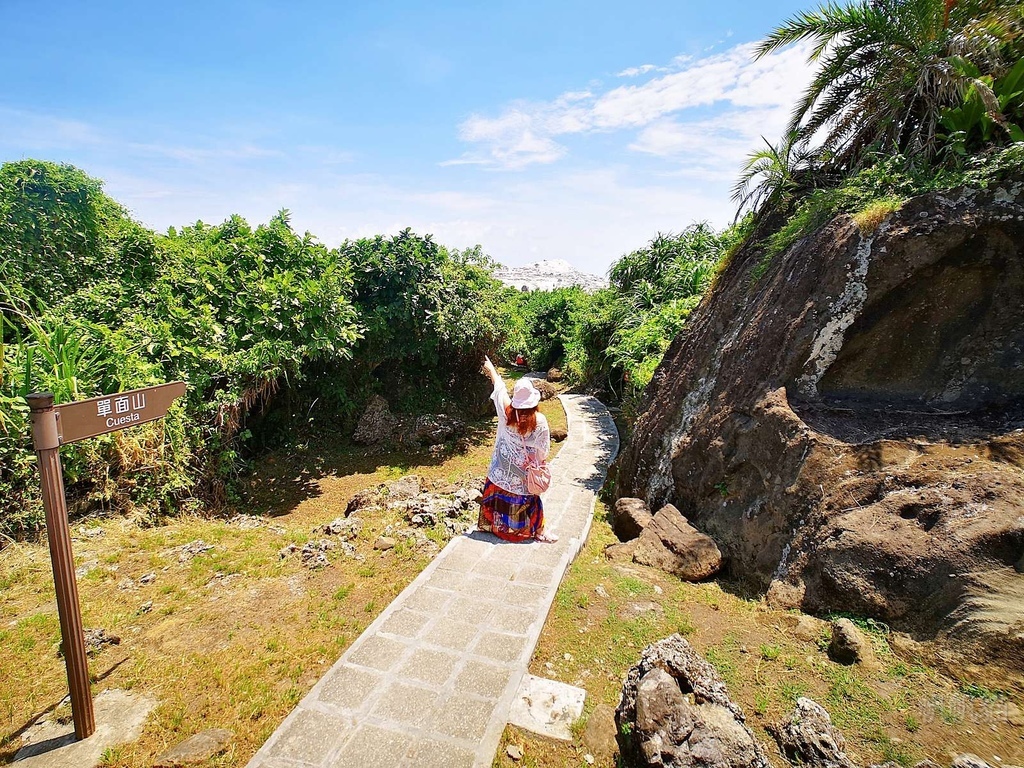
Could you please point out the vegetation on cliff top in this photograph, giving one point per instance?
(909, 96)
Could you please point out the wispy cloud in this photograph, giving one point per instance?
(643, 69)
(755, 96)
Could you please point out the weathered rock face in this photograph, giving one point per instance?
(675, 712)
(848, 427)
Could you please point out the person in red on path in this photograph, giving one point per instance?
(506, 509)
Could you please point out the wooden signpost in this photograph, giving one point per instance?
(53, 426)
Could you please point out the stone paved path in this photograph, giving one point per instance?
(430, 682)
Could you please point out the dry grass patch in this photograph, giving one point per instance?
(605, 613)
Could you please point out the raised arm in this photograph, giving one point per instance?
(491, 371)
(499, 392)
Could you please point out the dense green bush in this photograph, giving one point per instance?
(428, 316)
(234, 311)
(60, 232)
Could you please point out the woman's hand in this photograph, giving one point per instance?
(489, 368)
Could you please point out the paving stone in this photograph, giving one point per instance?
(427, 666)
(405, 623)
(373, 747)
(470, 609)
(479, 544)
(406, 704)
(500, 647)
(513, 551)
(524, 595)
(427, 600)
(459, 560)
(310, 736)
(549, 554)
(483, 679)
(378, 652)
(457, 635)
(499, 569)
(463, 717)
(511, 619)
(547, 707)
(348, 687)
(541, 575)
(430, 753)
(475, 584)
(449, 580)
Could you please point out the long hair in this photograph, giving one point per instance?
(525, 419)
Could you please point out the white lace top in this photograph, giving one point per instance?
(511, 450)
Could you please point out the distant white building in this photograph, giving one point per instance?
(547, 275)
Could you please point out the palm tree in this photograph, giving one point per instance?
(777, 165)
(886, 70)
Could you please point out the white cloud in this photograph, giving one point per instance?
(528, 133)
(643, 69)
(599, 171)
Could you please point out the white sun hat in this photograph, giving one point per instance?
(524, 394)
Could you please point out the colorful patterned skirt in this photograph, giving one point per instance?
(510, 516)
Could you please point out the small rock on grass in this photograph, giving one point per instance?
(807, 628)
(384, 543)
(196, 749)
(638, 609)
(96, 639)
(599, 735)
(514, 751)
(849, 646)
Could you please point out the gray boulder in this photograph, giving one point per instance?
(676, 547)
(377, 424)
(547, 389)
(405, 487)
(630, 517)
(675, 712)
(436, 428)
(809, 738)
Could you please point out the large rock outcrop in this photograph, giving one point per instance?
(675, 712)
(849, 426)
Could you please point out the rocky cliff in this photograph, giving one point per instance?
(849, 427)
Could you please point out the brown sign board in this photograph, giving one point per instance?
(109, 413)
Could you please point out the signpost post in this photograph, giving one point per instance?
(53, 426)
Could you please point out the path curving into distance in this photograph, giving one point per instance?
(431, 680)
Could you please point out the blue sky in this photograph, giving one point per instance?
(573, 130)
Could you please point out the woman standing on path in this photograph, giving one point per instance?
(507, 509)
